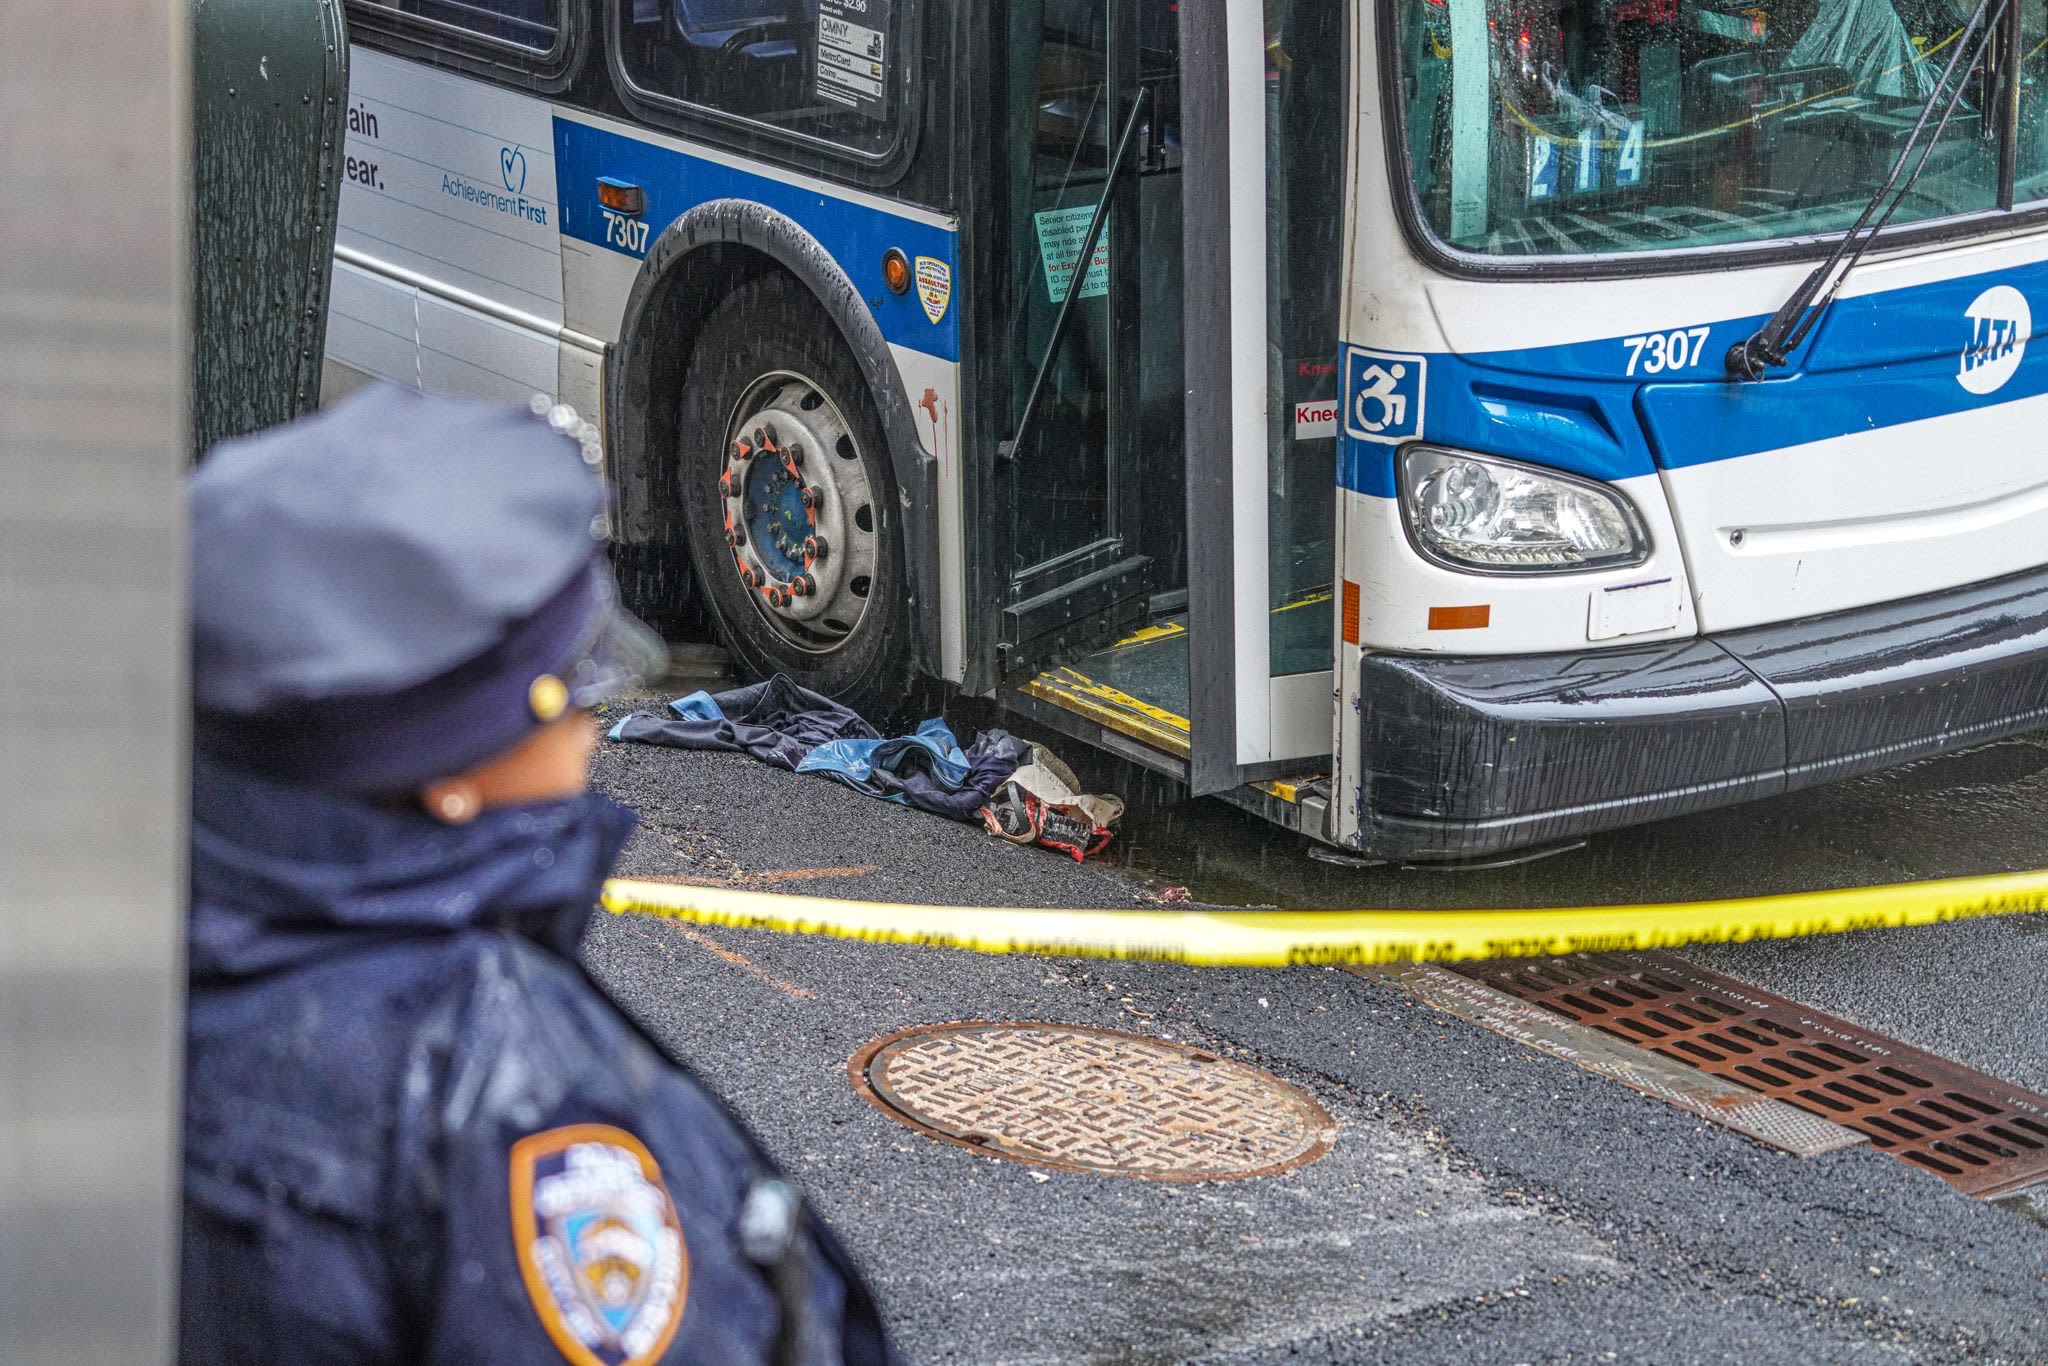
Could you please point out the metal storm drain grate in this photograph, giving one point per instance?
(1082, 1099)
(1715, 1099)
(1982, 1135)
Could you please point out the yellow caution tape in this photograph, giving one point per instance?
(1271, 939)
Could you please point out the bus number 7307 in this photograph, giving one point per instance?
(1668, 350)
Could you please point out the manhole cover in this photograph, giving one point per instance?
(1083, 1099)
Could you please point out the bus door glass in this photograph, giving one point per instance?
(1265, 168)
(1305, 106)
(1088, 481)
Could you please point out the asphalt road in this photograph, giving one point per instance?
(1482, 1203)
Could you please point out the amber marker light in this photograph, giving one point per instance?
(1460, 618)
(895, 270)
(620, 196)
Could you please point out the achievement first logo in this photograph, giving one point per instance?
(1383, 393)
(512, 202)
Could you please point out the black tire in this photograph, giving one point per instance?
(768, 325)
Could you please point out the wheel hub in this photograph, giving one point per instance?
(799, 514)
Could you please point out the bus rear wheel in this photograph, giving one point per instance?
(790, 503)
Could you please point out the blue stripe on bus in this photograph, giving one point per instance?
(676, 182)
(1877, 360)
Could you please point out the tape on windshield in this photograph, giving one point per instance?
(1775, 111)
(1287, 938)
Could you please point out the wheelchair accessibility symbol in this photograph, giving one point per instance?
(1382, 395)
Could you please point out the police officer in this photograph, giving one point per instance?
(414, 1130)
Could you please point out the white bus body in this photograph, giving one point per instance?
(1537, 270)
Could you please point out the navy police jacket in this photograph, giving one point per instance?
(416, 1132)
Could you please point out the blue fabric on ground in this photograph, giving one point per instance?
(926, 770)
(794, 728)
(852, 761)
(777, 722)
(900, 774)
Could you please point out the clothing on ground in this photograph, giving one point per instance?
(777, 722)
(1042, 804)
(794, 728)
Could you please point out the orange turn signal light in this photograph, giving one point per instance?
(620, 196)
(895, 270)
(1460, 618)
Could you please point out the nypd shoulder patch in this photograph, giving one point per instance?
(600, 1247)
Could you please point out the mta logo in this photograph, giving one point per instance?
(1383, 393)
(2000, 323)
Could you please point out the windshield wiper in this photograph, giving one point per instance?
(1789, 326)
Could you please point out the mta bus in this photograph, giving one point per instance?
(1445, 427)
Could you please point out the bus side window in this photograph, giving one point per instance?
(535, 25)
(825, 69)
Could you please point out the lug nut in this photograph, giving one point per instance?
(814, 547)
(740, 451)
(735, 537)
(802, 586)
(796, 455)
(776, 597)
(747, 575)
(812, 498)
(725, 484)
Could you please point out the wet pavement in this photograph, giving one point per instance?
(1481, 1203)
(1967, 991)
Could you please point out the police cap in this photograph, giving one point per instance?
(398, 588)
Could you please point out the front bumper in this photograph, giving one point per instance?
(1467, 757)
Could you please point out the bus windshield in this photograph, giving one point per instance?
(1601, 126)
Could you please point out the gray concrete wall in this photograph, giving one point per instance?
(92, 674)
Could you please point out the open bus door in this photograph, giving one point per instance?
(1088, 441)
(1265, 133)
(1140, 523)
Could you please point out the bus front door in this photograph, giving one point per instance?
(1086, 480)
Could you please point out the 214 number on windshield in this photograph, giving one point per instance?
(1591, 162)
(1659, 352)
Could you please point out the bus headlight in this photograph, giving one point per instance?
(1475, 512)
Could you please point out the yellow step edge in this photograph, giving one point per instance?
(1115, 710)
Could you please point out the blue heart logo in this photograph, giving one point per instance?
(512, 166)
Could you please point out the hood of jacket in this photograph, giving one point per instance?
(284, 874)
